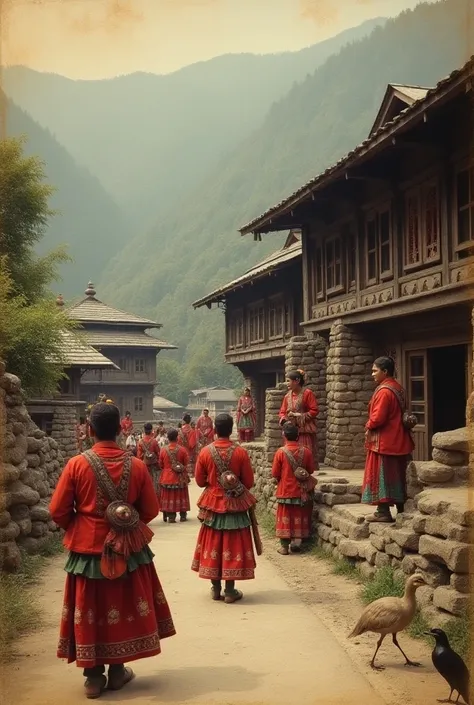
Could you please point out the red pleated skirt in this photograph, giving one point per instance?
(293, 521)
(246, 435)
(114, 621)
(174, 500)
(224, 554)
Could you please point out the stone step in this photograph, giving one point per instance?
(452, 502)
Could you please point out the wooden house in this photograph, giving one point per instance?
(387, 257)
(263, 309)
(123, 339)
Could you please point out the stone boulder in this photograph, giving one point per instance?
(449, 457)
(457, 440)
(448, 599)
(429, 472)
(453, 554)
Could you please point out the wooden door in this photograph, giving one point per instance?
(418, 392)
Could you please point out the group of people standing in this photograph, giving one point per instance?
(115, 610)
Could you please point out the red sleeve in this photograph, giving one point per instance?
(308, 461)
(311, 403)
(277, 465)
(147, 502)
(379, 409)
(183, 455)
(155, 448)
(140, 451)
(200, 472)
(283, 408)
(192, 440)
(161, 458)
(61, 506)
(246, 472)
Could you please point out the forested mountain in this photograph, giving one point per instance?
(88, 219)
(150, 138)
(195, 247)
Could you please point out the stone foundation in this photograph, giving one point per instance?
(31, 465)
(64, 416)
(349, 389)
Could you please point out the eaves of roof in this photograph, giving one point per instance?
(386, 132)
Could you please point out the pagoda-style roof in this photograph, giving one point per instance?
(77, 353)
(92, 310)
(125, 339)
(290, 251)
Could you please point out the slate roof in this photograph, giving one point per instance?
(92, 310)
(269, 264)
(263, 223)
(125, 339)
(400, 93)
(162, 403)
(216, 393)
(78, 354)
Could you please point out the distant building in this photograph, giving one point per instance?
(164, 408)
(122, 338)
(217, 399)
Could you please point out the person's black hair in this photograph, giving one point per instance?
(224, 424)
(187, 418)
(180, 425)
(386, 364)
(160, 423)
(127, 413)
(148, 428)
(172, 435)
(290, 431)
(297, 375)
(105, 421)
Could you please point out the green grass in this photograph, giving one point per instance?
(19, 609)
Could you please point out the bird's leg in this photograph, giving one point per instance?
(407, 660)
(372, 663)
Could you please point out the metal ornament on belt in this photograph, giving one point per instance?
(231, 484)
(122, 516)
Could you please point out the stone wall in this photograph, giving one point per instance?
(349, 388)
(31, 465)
(64, 415)
(309, 354)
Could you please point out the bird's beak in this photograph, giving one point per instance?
(428, 634)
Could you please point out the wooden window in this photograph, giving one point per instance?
(239, 330)
(421, 242)
(287, 320)
(257, 324)
(140, 365)
(138, 404)
(275, 318)
(378, 259)
(350, 248)
(315, 273)
(465, 207)
(333, 265)
(123, 364)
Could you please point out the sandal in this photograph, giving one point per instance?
(233, 597)
(117, 682)
(380, 518)
(94, 687)
(283, 551)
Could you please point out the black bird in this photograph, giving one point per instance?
(450, 665)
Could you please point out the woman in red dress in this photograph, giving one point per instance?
(293, 469)
(205, 429)
(122, 617)
(246, 417)
(224, 548)
(174, 480)
(389, 444)
(300, 408)
(187, 438)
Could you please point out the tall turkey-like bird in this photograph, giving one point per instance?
(450, 665)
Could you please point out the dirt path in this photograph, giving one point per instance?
(286, 642)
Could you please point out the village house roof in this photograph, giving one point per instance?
(397, 98)
(458, 80)
(125, 339)
(78, 353)
(162, 403)
(92, 310)
(290, 251)
(215, 393)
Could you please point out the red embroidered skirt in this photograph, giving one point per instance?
(384, 478)
(293, 521)
(246, 435)
(174, 500)
(224, 554)
(114, 621)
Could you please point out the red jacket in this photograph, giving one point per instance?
(206, 474)
(76, 502)
(168, 476)
(288, 486)
(386, 433)
(152, 445)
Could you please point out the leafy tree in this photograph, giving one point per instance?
(32, 327)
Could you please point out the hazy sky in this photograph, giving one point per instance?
(97, 38)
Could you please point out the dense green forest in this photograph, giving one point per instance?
(318, 121)
(150, 138)
(87, 218)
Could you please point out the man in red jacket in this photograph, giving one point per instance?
(107, 621)
(148, 450)
(174, 493)
(293, 469)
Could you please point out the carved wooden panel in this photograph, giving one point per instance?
(377, 297)
(340, 307)
(421, 284)
(463, 273)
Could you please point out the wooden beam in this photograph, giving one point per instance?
(414, 144)
(361, 175)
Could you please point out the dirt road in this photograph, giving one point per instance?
(275, 647)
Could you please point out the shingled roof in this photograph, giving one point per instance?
(397, 97)
(78, 353)
(92, 310)
(117, 339)
(379, 139)
(290, 251)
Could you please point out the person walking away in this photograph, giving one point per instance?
(246, 417)
(300, 407)
(174, 481)
(388, 443)
(187, 439)
(224, 549)
(293, 469)
(148, 450)
(205, 429)
(114, 606)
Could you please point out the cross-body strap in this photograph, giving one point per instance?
(222, 464)
(111, 491)
(399, 395)
(294, 462)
